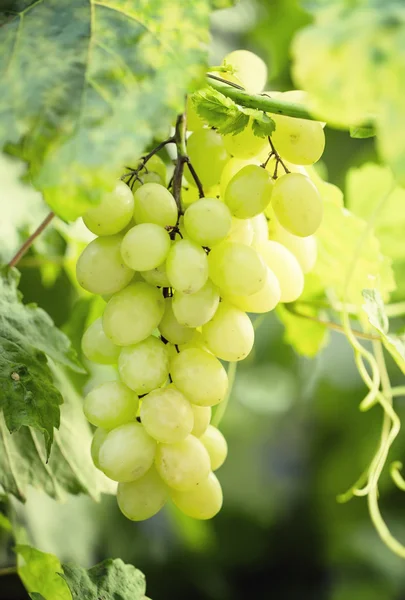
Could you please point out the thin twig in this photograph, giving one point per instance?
(180, 139)
(196, 178)
(278, 158)
(28, 243)
(231, 83)
(133, 174)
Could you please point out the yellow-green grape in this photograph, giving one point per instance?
(127, 452)
(194, 121)
(195, 342)
(202, 418)
(199, 376)
(300, 141)
(236, 268)
(260, 229)
(173, 331)
(97, 347)
(230, 334)
(304, 249)
(194, 310)
(207, 221)
(113, 213)
(167, 415)
(203, 501)
(208, 156)
(157, 277)
(189, 194)
(264, 300)
(144, 367)
(150, 177)
(133, 313)
(153, 203)
(187, 267)
(216, 446)
(100, 268)
(184, 464)
(245, 144)
(249, 68)
(249, 192)
(285, 267)
(145, 246)
(153, 172)
(231, 168)
(98, 438)
(110, 404)
(241, 231)
(141, 499)
(297, 204)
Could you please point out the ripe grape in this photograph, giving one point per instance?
(230, 169)
(263, 301)
(260, 229)
(144, 367)
(285, 267)
(111, 404)
(98, 438)
(216, 446)
(300, 141)
(207, 221)
(249, 192)
(145, 246)
(127, 453)
(100, 268)
(157, 277)
(167, 415)
(230, 334)
(141, 499)
(249, 68)
(304, 249)
(97, 347)
(187, 267)
(208, 156)
(199, 376)
(241, 231)
(132, 314)
(173, 331)
(153, 203)
(194, 310)
(203, 501)
(245, 144)
(113, 213)
(184, 464)
(202, 418)
(236, 268)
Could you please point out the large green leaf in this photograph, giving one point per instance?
(109, 580)
(39, 573)
(85, 84)
(352, 61)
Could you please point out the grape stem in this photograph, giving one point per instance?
(134, 173)
(278, 158)
(183, 159)
(28, 243)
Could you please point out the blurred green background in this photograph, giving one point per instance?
(296, 436)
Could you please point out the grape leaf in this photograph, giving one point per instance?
(109, 580)
(39, 573)
(362, 132)
(263, 125)
(111, 72)
(70, 468)
(305, 336)
(219, 111)
(36, 596)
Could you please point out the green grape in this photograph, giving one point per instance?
(144, 367)
(249, 68)
(157, 277)
(260, 229)
(207, 221)
(97, 347)
(300, 141)
(98, 439)
(297, 204)
(263, 301)
(187, 267)
(202, 418)
(233, 166)
(216, 446)
(203, 501)
(194, 121)
(195, 342)
(304, 249)
(110, 404)
(153, 203)
(245, 144)
(241, 231)
(173, 331)
(285, 267)
(167, 415)
(249, 192)
(236, 269)
(145, 246)
(100, 268)
(153, 172)
(194, 310)
(230, 334)
(113, 213)
(199, 376)
(150, 177)
(132, 314)
(208, 156)
(142, 499)
(184, 464)
(189, 194)
(127, 453)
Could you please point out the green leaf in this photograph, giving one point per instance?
(111, 72)
(219, 111)
(375, 311)
(217, 4)
(39, 573)
(70, 468)
(362, 132)
(307, 337)
(263, 125)
(36, 596)
(109, 580)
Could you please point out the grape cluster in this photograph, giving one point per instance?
(178, 286)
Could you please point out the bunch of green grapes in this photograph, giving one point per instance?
(178, 286)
